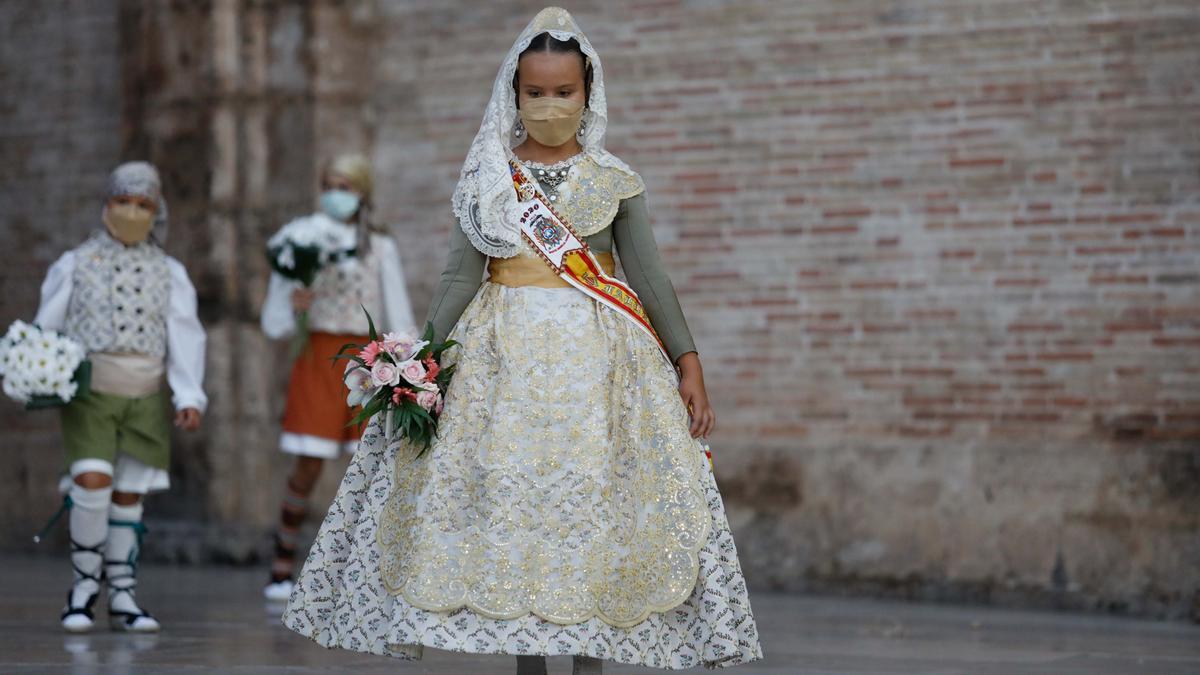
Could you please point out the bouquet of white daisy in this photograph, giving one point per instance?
(42, 368)
(301, 249)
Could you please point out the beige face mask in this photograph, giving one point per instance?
(128, 223)
(551, 121)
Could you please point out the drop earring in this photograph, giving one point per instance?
(519, 128)
(582, 130)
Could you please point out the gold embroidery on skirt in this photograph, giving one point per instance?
(563, 483)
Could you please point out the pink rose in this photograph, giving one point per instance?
(384, 374)
(427, 399)
(413, 372)
(370, 352)
(441, 403)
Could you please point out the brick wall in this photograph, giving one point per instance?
(940, 258)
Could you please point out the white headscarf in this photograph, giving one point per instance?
(485, 201)
(140, 179)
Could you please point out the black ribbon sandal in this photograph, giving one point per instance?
(86, 609)
(127, 620)
(126, 582)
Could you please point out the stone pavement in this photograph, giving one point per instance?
(216, 622)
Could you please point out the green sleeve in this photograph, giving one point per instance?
(460, 281)
(645, 273)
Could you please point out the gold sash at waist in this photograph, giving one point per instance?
(524, 271)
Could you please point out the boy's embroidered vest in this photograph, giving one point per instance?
(119, 297)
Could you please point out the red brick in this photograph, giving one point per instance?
(1105, 279)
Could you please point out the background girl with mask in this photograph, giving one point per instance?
(315, 416)
(134, 309)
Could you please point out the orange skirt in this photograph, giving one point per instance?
(316, 398)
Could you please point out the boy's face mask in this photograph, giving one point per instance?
(551, 121)
(129, 222)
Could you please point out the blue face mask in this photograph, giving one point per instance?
(339, 204)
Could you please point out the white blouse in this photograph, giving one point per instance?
(279, 321)
(185, 335)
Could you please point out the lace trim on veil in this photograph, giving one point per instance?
(484, 201)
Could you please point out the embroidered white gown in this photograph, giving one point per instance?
(563, 508)
(464, 532)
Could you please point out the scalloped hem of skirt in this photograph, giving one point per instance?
(415, 652)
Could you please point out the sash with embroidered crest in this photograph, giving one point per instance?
(570, 258)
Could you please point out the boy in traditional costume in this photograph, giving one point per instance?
(134, 309)
(566, 505)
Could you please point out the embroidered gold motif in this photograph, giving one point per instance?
(563, 483)
(591, 194)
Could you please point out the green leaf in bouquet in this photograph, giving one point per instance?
(421, 413)
(349, 347)
(306, 263)
(83, 378)
(444, 376)
(342, 354)
(349, 357)
(370, 325)
(401, 422)
(352, 358)
(376, 404)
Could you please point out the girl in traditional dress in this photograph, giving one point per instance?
(566, 506)
(134, 309)
(315, 420)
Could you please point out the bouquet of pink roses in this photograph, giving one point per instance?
(401, 376)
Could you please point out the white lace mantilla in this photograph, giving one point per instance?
(484, 200)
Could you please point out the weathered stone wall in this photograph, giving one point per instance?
(60, 71)
(940, 259)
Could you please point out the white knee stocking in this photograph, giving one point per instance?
(120, 569)
(120, 560)
(89, 532)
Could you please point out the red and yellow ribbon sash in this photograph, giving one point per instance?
(570, 258)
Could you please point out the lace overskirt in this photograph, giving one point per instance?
(563, 509)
